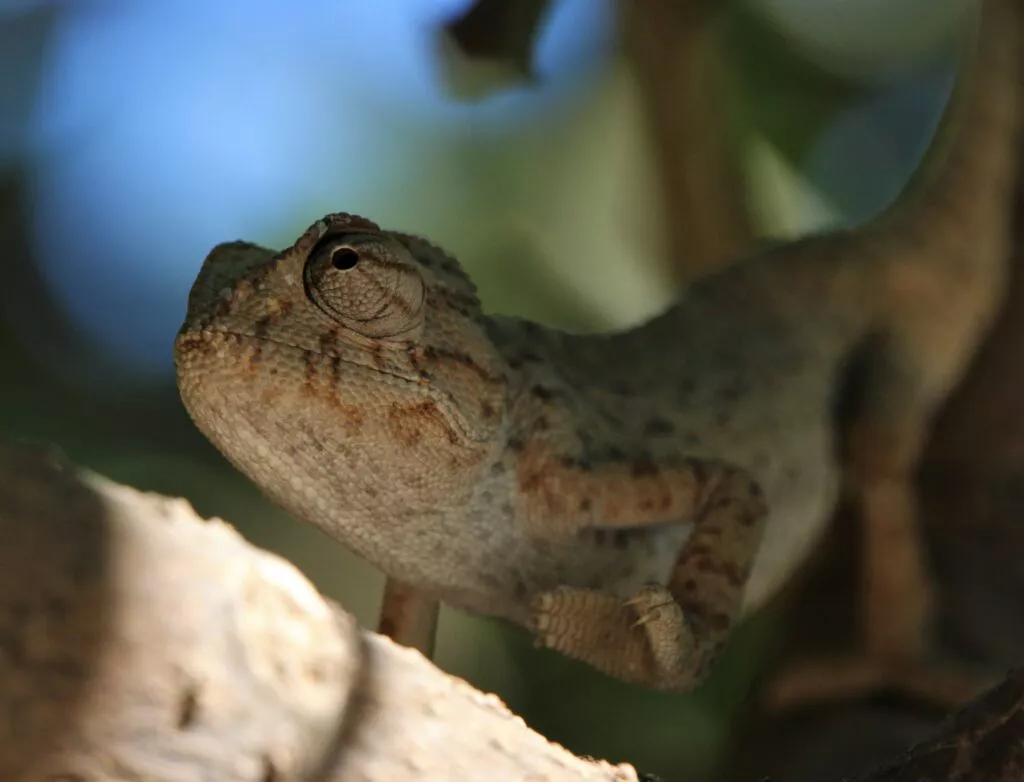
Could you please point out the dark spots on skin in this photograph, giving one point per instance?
(586, 440)
(645, 467)
(719, 622)
(709, 565)
(379, 361)
(222, 309)
(757, 493)
(728, 393)
(411, 437)
(748, 519)
(658, 426)
(408, 422)
(463, 359)
(261, 327)
(515, 444)
(255, 357)
(585, 504)
(519, 589)
(487, 411)
(507, 509)
(541, 424)
(354, 418)
(309, 366)
(543, 393)
(371, 492)
(573, 463)
(698, 551)
(700, 472)
(690, 585)
(719, 503)
(415, 356)
(646, 505)
(463, 303)
(328, 341)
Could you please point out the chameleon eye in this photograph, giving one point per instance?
(369, 283)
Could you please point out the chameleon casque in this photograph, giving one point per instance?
(629, 495)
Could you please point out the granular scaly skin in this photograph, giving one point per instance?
(629, 495)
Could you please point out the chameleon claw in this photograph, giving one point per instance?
(644, 619)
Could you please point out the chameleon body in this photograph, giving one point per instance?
(628, 496)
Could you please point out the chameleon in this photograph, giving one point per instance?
(627, 496)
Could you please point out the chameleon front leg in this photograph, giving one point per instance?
(408, 617)
(667, 636)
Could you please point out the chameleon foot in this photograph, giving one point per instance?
(645, 640)
(847, 678)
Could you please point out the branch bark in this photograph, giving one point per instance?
(139, 642)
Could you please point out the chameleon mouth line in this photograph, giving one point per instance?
(197, 335)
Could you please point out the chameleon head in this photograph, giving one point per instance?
(350, 376)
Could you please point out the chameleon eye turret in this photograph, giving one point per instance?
(369, 283)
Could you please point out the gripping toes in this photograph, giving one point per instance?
(645, 640)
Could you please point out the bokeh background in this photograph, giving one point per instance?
(136, 134)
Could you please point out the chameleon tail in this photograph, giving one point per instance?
(956, 213)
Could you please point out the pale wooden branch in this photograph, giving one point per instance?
(140, 642)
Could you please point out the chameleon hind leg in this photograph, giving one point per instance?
(667, 636)
(896, 598)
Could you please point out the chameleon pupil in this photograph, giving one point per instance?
(345, 259)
